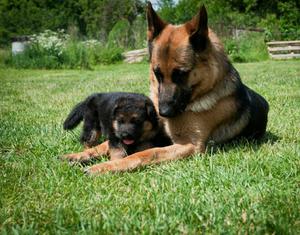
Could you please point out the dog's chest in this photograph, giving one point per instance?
(184, 129)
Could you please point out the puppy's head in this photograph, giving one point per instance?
(175, 52)
(133, 119)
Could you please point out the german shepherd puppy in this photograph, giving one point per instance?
(197, 92)
(128, 120)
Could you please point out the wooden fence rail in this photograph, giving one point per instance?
(277, 50)
(284, 49)
(135, 56)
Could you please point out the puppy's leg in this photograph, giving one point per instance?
(91, 130)
(91, 138)
(147, 157)
(88, 154)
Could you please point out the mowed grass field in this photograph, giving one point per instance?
(240, 187)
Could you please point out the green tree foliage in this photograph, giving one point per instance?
(23, 17)
(280, 18)
(93, 18)
(96, 18)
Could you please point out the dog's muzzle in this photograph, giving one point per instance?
(167, 110)
(173, 103)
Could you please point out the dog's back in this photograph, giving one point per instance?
(258, 118)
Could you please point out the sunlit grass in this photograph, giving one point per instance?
(237, 188)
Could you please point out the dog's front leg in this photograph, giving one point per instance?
(147, 157)
(116, 153)
(88, 154)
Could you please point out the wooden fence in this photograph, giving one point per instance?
(284, 49)
(135, 56)
(277, 50)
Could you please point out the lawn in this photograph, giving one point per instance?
(236, 188)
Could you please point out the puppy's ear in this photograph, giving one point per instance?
(119, 104)
(155, 23)
(152, 115)
(198, 30)
(114, 110)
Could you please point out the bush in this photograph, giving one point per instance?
(119, 35)
(249, 47)
(55, 50)
(76, 55)
(44, 50)
(5, 57)
(284, 27)
(139, 32)
(110, 55)
(32, 58)
(128, 36)
(103, 54)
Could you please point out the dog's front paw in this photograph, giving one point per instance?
(100, 168)
(76, 157)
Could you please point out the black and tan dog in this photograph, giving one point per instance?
(196, 90)
(128, 120)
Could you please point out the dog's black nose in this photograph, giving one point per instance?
(166, 111)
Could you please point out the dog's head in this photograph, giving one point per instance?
(133, 119)
(178, 55)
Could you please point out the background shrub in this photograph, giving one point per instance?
(52, 50)
(55, 50)
(120, 27)
(44, 50)
(103, 19)
(5, 57)
(34, 58)
(76, 55)
(119, 36)
(249, 47)
(109, 55)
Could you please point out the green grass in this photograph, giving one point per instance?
(238, 188)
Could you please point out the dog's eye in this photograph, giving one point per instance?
(179, 75)
(158, 74)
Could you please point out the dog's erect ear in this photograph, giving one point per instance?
(155, 24)
(151, 113)
(198, 30)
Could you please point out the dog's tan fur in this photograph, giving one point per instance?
(89, 153)
(211, 111)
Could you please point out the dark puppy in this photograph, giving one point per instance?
(128, 120)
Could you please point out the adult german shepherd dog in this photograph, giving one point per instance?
(198, 93)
